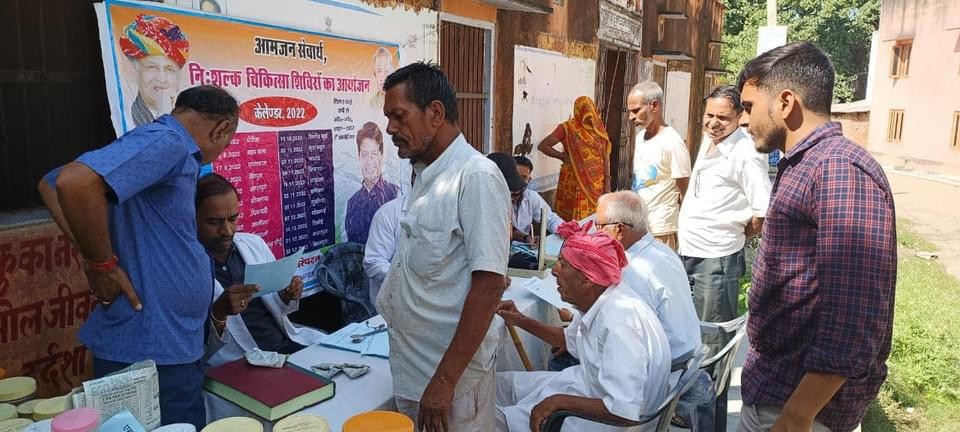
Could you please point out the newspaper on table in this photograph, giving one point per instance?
(135, 388)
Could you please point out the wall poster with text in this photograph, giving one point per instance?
(311, 157)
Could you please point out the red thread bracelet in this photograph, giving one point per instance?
(103, 267)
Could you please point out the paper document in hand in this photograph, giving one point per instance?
(546, 290)
(272, 276)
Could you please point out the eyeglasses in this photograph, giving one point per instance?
(601, 225)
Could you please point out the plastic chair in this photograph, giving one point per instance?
(712, 417)
(340, 273)
(662, 415)
(378, 421)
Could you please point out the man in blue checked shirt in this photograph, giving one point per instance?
(129, 208)
(821, 304)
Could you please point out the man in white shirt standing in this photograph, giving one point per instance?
(654, 272)
(661, 162)
(447, 277)
(724, 207)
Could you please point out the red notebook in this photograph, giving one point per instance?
(268, 392)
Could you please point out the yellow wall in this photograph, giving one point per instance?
(469, 9)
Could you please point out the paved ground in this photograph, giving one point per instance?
(733, 397)
(932, 204)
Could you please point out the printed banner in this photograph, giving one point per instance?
(44, 298)
(311, 157)
(545, 85)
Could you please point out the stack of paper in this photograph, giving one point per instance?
(522, 248)
(377, 344)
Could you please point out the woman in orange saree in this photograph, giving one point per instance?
(585, 173)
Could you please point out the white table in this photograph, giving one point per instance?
(374, 391)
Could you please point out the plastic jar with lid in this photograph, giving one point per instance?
(25, 410)
(16, 390)
(302, 423)
(16, 424)
(50, 408)
(379, 421)
(234, 424)
(176, 427)
(76, 420)
(40, 426)
(7, 411)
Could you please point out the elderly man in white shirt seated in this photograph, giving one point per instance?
(383, 240)
(654, 272)
(624, 352)
(243, 323)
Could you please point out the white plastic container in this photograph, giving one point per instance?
(176, 427)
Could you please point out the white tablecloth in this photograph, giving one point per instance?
(374, 391)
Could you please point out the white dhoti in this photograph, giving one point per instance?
(519, 392)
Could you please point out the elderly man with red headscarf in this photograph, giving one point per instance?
(624, 353)
(158, 50)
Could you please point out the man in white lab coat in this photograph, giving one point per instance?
(624, 354)
(243, 323)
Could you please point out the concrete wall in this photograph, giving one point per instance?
(856, 126)
(930, 94)
(472, 9)
(571, 30)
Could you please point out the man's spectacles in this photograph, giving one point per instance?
(601, 225)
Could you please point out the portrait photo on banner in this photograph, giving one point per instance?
(311, 158)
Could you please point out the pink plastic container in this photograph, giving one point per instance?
(77, 420)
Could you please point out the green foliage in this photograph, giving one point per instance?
(922, 391)
(842, 28)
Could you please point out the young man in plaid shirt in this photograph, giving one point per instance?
(821, 305)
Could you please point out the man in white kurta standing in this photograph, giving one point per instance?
(624, 353)
(448, 274)
(661, 162)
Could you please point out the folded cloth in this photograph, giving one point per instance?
(330, 370)
(270, 359)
